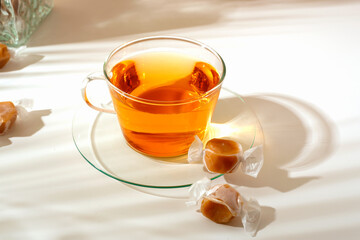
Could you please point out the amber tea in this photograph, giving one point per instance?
(166, 99)
(164, 90)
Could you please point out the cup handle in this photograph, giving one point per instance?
(87, 80)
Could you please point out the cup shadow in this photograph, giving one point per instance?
(26, 125)
(296, 137)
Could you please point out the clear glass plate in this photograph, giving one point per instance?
(99, 139)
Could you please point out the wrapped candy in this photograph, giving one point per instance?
(4, 55)
(221, 203)
(222, 155)
(8, 114)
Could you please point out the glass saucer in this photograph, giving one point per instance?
(99, 139)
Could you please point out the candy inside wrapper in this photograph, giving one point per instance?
(222, 155)
(4, 55)
(221, 203)
(10, 112)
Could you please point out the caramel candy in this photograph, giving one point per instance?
(8, 114)
(222, 155)
(4, 55)
(216, 212)
(221, 204)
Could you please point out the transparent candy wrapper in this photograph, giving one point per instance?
(10, 112)
(224, 155)
(221, 203)
(17, 57)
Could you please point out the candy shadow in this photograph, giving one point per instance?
(27, 125)
(21, 61)
(268, 215)
(296, 137)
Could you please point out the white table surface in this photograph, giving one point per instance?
(297, 63)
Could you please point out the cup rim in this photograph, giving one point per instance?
(159, 102)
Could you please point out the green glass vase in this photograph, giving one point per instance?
(20, 18)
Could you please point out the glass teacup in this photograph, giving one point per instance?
(164, 91)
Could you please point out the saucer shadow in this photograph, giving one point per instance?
(26, 125)
(296, 137)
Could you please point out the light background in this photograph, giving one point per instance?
(297, 64)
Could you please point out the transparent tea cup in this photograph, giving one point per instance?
(164, 91)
